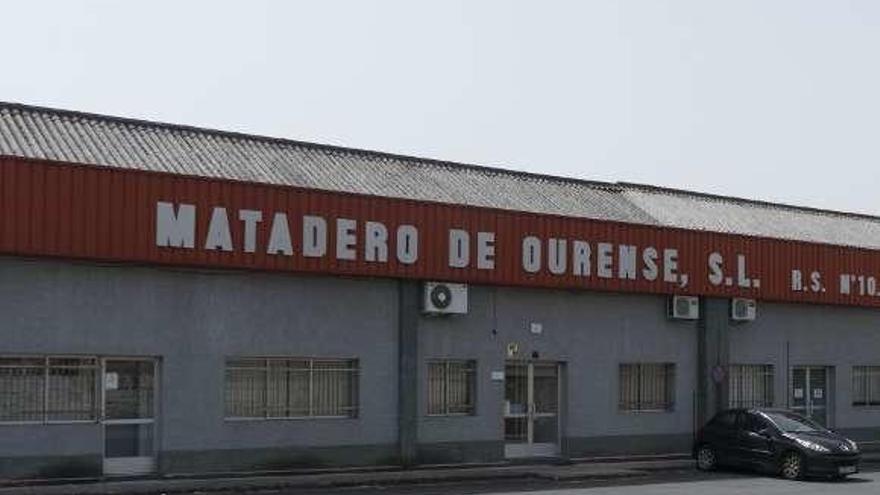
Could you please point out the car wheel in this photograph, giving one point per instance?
(706, 458)
(792, 466)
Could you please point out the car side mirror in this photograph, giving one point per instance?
(765, 432)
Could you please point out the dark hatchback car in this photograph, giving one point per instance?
(774, 441)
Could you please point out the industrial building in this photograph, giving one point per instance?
(182, 300)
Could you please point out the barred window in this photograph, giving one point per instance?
(751, 385)
(866, 386)
(48, 389)
(647, 387)
(275, 388)
(451, 387)
(73, 391)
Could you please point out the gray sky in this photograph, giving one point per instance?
(767, 99)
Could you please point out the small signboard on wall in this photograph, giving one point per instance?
(512, 349)
(111, 381)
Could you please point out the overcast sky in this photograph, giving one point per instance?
(767, 99)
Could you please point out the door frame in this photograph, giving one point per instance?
(808, 396)
(529, 448)
(129, 466)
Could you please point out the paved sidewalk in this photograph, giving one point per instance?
(551, 472)
(554, 472)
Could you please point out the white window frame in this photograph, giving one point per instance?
(46, 368)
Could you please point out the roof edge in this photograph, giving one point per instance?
(738, 199)
(307, 144)
(619, 186)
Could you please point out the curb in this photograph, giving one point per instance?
(343, 480)
(575, 471)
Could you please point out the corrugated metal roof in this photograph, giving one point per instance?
(41, 133)
(696, 211)
(81, 138)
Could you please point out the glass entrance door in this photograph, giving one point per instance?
(809, 392)
(531, 409)
(129, 416)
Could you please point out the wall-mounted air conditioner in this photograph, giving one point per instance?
(445, 298)
(743, 309)
(684, 307)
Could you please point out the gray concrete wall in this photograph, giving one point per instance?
(713, 352)
(50, 451)
(592, 333)
(194, 320)
(787, 335)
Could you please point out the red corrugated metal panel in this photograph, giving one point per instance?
(74, 211)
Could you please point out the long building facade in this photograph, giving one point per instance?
(180, 300)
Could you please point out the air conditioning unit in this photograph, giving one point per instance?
(444, 298)
(684, 307)
(743, 309)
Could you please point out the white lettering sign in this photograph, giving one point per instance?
(219, 236)
(604, 269)
(314, 236)
(626, 256)
(649, 258)
(250, 218)
(486, 250)
(407, 244)
(345, 238)
(531, 254)
(556, 253)
(175, 229)
(374, 242)
(279, 237)
(581, 259)
(459, 248)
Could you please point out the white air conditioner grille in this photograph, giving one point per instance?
(684, 307)
(441, 296)
(743, 309)
(445, 298)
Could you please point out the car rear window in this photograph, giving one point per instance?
(793, 423)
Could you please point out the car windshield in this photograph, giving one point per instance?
(792, 423)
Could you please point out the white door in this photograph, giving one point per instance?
(531, 409)
(129, 416)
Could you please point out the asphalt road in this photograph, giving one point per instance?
(678, 482)
(867, 483)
